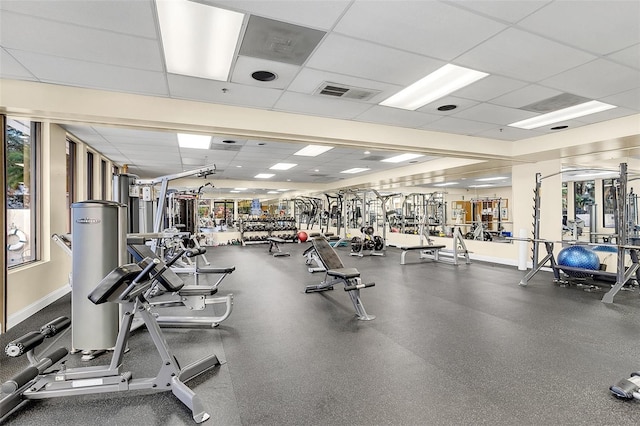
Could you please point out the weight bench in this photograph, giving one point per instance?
(274, 248)
(426, 252)
(336, 273)
(194, 297)
(313, 259)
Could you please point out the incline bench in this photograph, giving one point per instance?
(336, 273)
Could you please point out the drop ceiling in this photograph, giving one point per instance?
(534, 51)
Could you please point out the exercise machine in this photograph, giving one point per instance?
(336, 273)
(194, 297)
(125, 285)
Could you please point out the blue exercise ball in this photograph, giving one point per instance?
(578, 257)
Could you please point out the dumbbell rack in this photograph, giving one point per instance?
(258, 230)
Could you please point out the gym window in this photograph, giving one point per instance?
(22, 139)
(71, 179)
(89, 175)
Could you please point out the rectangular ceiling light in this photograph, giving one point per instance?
(436, 85)
(264, 175)
(283, 166)
(445, 184)
(272, 192)
(489, 179)
(564, 114)
(402, 157)
(194, 141)
(313, 150)
(198, 40)
(484, 185)
(355, 170)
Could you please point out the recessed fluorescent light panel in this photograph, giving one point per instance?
(402, 157)
(489, 179)
(272, 192)
(233, 191)
(282, 166)
(264, 175)
(436, 85)
(240, 189)
(198, 40)
(484, 185)
(194, 141)
(446, 184)
(355, 170)
(564, 114)
(313, 150)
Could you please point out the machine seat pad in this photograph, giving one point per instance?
(197, 290)
(344, 273)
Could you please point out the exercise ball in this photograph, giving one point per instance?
(302, 236)
(578, 257)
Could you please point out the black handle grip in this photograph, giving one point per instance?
(23, 344)
(358, 286)
(140, 277)
(54, 327)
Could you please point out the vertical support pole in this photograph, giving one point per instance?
(622, 215)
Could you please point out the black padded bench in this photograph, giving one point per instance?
(336, 273)
(274, 247)
(426, 252)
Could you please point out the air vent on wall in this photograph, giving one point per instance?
(345, 92)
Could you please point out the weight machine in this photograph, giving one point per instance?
(623, 225)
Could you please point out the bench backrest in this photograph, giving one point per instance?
(327, 254)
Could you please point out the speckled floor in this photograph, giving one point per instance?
(449, 346)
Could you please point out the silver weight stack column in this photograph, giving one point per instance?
(125, 192)
(99, 246)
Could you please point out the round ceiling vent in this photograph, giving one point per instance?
(263, 76)
(447, 107)
(559, 127)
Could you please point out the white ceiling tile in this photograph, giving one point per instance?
(629, 99)
(525, 96)
(245, 66)
(320, 14)
(10, 68)
(509, 11)
(386, 22)
(523, 56)
(183, 87)
(629, 56)
(396, 117)
(460, 103)
(506, 134)
(344, 55)
(309, 80)
(489, 87)
(495, 114)
(81, 43)
(458, 126)
(130, 17)
(316, 105)
(88, 74)
(600, 27)
(596, 79)
(606, 115)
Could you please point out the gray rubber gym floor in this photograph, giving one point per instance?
(450, 346)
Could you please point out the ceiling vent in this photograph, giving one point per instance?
(373, 158)
(554, 103)
(346, 92)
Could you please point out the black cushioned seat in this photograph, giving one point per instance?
(344, 273)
